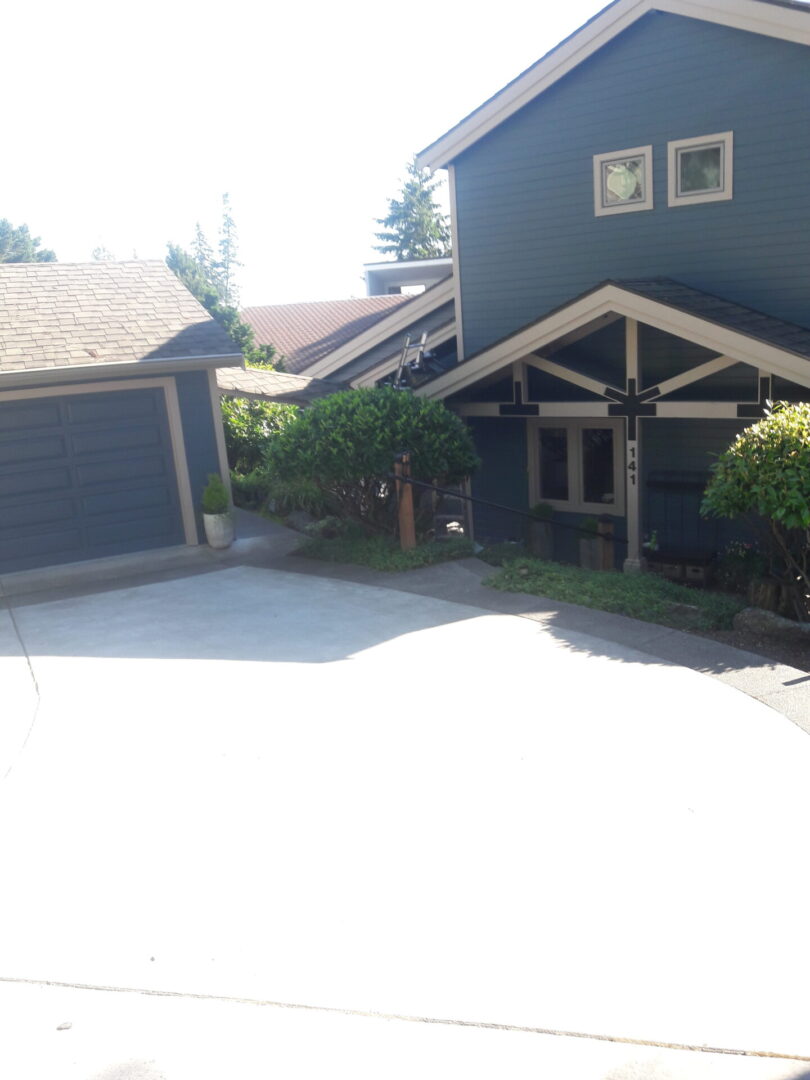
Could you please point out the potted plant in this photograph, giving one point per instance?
(589, 544)
(541, 531)
(216, 510)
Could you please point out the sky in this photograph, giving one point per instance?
(124, 124)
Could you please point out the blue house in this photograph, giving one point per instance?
(631, 268)
(109, 410)
(631, 262)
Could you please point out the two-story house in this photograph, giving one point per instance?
(631, 257)
(631, 267)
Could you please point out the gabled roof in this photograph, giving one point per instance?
(274, 386)
(395, 322)
(727, 328)
(786, 19)
(76, 315)
(306, 333)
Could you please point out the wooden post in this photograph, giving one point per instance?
(407, 525)
(633, 562)
(604, 531)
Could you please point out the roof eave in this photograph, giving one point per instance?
(114, 369)
(757, 16)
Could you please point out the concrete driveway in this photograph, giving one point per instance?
(251, 789)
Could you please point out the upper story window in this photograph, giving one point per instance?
(700, 169)
(622, 181)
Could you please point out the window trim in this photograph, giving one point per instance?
(603, 209)
(674, 196)
(575, 504)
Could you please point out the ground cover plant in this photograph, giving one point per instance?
(640, 596)
(383, 553)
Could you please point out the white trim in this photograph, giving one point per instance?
(454, 239)
(560, 372)
(400, 319)
(695, 410)
(613, 298)
(603, 208)
(569, 409)
(574, 428)
(787, 24)
(675, 197)
(169, 387)
(112, 369)
(219, 432)
(695, 374)
(391, 362)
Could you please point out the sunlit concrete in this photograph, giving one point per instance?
(287, 788)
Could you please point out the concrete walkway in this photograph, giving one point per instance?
(256, 809)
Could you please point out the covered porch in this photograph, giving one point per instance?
(616, 406)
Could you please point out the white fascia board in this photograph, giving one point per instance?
(116, 369)
(398, 321)
(385, 367)
(613, 299)
(755, 16)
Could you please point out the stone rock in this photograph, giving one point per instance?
(298, 519)
(760, 621)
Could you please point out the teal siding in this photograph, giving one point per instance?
(528, 237)
(676, 459)
(502, 478)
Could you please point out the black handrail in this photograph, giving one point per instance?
(499, 506)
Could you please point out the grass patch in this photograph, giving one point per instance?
(641, 596)
(380, 553)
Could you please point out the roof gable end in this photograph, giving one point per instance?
(774, 18)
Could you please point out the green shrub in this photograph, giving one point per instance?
(250, 491)
(542, 511)
(345, 445)
(215, 496)
(765, 474)
(250, 426)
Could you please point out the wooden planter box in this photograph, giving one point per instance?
(541, 539)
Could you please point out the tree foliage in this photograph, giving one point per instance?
(17, 245)
(211, 281)
(765, 473)
(345, 445)
(250, 426)
(415, 227)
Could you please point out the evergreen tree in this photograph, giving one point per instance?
(415, 227)
(227, 263)
(17, 245)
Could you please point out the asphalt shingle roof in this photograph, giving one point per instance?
(274, 385)
(305, 333)
(754, 324)
(55, 315)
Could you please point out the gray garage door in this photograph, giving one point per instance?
(85, 475)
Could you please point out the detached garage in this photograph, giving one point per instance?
(109, 410)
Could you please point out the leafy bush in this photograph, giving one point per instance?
(251, 490)
(345, 446)
(765, 474)
(738, 564)
(215, 496)
(250, 426)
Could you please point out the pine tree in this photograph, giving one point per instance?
(227, 263)
(17, 245)
(415, 227)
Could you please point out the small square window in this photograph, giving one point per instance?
(700, 170)
(622, 181)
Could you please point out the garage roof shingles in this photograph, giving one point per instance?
(55, 315)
